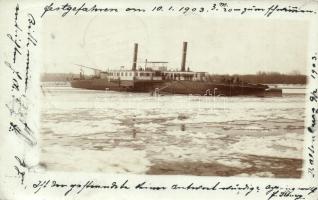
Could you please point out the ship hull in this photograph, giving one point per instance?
(211, 89)
(173, 87)
(97, 84)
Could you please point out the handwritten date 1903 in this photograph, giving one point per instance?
(227, 8)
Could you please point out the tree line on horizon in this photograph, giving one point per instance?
(258, 78)
(265, 78)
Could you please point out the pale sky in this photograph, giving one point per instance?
(215, 45)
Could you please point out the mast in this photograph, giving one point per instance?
(134, 66)
(184, 56)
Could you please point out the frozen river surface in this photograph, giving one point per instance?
(113, 132)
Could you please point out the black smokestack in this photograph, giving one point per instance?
(134, 66)
(184, 56)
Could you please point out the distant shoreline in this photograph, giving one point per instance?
(259, 78)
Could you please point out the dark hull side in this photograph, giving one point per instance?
(97, 84)
(173, 87)
(211, 89)
(129, 86)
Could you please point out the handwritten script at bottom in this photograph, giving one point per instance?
(270, 191)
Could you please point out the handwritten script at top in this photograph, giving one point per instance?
(222, 7)
(22, 41)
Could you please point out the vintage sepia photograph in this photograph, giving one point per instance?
(174, 95)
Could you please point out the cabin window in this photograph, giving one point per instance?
(125, 73)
